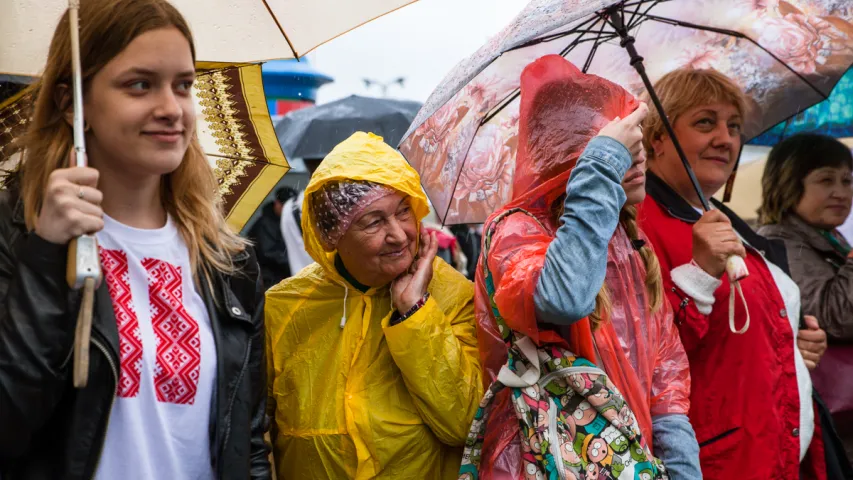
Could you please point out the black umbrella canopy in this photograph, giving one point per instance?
(313, 132)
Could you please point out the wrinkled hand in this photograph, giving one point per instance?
(627, 130)
(411, 286)
(64, 214)
(811, 342)
(714, 241)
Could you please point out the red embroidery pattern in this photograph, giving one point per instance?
(176, 371)
(114, 263)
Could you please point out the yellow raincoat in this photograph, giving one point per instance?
(368, 400)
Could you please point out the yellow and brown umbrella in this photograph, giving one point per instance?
(234, 127)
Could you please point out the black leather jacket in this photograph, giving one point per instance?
(49, 429)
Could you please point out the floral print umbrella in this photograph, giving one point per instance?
(786, 55)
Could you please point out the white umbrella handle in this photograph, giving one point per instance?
(84, 267)
(737, 271)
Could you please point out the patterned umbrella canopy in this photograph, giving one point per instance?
(786, 55)
(833, 117)
(234, 128)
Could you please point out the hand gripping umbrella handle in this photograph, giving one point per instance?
(83, 270)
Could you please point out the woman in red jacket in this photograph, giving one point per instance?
(751, 402)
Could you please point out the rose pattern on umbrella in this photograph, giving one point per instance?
(803, 42)
(701, 56)
(434, 133)
(432, 141)
(480, 93)
(487, 182)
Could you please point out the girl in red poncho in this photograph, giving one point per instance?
(584, 278)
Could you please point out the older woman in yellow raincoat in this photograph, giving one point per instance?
(372, 350)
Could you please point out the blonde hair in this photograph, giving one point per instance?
(684, 88)
(654, 281)
(189, 194)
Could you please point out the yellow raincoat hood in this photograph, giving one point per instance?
(360, 398)
(363, 156)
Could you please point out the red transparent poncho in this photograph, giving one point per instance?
(561, 110)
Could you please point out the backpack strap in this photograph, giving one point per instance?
(488, 233)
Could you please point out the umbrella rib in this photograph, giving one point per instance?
(736, 34)
(517, 91)
(630, 21)
(641, 2)
(555, 36)
(589, 57)
(511, 98)
(588, 26)
(788, 122)
(458, 175)
(281, 29)
(639, 16)
(598, 39)
(580, 33)
(241, 159)
(550, 38)
(594, 48)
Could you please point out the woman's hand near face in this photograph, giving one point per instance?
(411, 286)
(714, 241)
(71, 205)
(627, 130)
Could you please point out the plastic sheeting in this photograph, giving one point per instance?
(337, 204)
(368, 400)
(561, 110)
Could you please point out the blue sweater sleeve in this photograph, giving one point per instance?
(576, 261)
(676, 446)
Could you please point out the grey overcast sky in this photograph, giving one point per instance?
(420, 42)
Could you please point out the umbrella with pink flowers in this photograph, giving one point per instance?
(786, 56)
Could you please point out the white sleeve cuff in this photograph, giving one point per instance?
(697, 284)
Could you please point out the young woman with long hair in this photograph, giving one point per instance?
(176, 383)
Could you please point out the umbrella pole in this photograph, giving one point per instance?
(83, 270)
(735, 265)
(616, 21)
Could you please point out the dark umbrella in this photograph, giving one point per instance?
(314, 132)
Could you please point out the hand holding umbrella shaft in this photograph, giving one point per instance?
(71, 205)
(714, 242)
(70, 213)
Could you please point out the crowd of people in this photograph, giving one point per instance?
(342, 341)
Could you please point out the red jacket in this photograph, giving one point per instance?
(744, 401)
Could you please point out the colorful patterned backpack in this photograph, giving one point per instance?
(574, 424)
